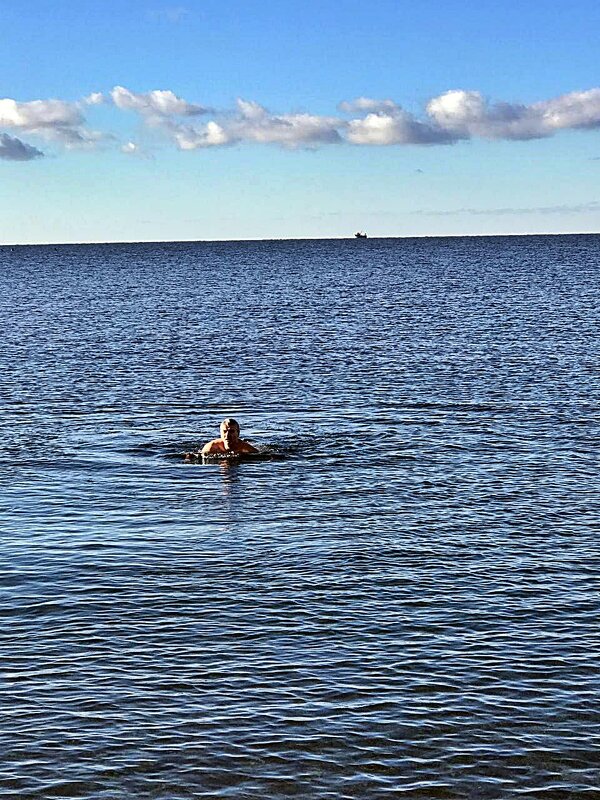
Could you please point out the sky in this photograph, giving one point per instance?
(205, 120)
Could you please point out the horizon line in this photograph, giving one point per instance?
(298, 239)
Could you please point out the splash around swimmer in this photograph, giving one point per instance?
(227, 445)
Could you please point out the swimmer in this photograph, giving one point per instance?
(229, 444)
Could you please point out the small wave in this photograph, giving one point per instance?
(179, 450)
(265, 453)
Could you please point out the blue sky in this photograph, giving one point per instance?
(206, 120)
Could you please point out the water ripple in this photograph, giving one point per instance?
(399, 599)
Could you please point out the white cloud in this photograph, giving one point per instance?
(248, 109)
(210, 135)
(574, 110)
(395, 127)
(468, 114)
(158, 103)
(55, 120)
(456, 108)
(94, 99)
(38, 114)
(253, 123)
(256, 124)
(13, 149)
(367, 105)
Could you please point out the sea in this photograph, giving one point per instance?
(397, 597)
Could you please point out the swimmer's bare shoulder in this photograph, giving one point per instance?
(216, 447)
(246, 447)
(212, 447)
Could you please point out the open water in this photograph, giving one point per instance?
(398, 599)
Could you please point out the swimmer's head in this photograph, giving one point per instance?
(230, 431)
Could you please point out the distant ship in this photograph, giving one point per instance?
(360, 235)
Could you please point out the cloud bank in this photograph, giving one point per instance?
(456, 115)
(499, 212)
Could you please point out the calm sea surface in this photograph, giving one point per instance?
(398, 599)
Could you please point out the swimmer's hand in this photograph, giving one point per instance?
(189, 458)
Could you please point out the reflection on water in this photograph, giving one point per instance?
(229, 474)
(397, 597)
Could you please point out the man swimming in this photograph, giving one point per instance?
(229, 443)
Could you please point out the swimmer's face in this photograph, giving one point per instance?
(230, 432)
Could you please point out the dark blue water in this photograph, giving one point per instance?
(400, 598)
